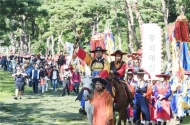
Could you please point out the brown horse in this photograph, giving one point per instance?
(122, 100)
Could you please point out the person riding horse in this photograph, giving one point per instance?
(118, 68)
(96, 65)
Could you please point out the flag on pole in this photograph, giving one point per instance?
(69, 50)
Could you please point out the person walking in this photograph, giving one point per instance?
(54, 78)
(19, 82)
(35, 78)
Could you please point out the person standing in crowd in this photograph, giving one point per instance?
(61, 59)
(66, 80)
(19, 82)
(182, 101)
(54, 78)
(13, 61)
(162, 92)
(35, 78)
(140, 101)
(76, 80)
(131, 83)
(150, 98)
(102, 102)
(48, 71)
(42, 84)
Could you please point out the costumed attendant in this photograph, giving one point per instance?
(149, 95)
(96, 65)
(141, 113)
(162, 92)
(118, 67)
(131, 83)
(102, 102)
(183, 101)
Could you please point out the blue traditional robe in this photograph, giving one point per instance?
(141, 103)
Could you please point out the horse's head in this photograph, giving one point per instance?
(111, 76)
(87, 87)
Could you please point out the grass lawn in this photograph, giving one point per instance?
(51, 108)
(47, 109)
(7, 87)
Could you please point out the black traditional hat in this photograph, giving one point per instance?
(139, 72)
(118, 52)
(163, 75)
(101, 80)
(98, 49)
(130, 72)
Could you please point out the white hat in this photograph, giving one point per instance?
(65, 67)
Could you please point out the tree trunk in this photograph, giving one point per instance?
(130, 38)
(138, 16)
(97, 23)
(165, 14)
(13, 44)
(52, 45)
(29, 46)
(93, 28)
(24, 34)
(131, 22)
(118, 29)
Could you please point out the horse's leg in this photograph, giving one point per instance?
(89, 112)
(120, 117)
(114, 117)
(124, 116)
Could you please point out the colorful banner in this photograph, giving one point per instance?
(151, 49)
(69, 50)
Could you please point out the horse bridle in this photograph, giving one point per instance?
(87, 89)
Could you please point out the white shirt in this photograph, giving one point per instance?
(54, 76)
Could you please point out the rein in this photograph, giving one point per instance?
(85, 88)
(119, 83)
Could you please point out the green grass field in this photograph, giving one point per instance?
(49, 109)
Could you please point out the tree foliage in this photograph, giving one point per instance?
(35, 21)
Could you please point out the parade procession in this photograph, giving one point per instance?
(124, 72)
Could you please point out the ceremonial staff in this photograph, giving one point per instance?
(146, 98)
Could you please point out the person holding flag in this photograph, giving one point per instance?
(96, 65)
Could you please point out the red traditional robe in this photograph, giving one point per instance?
(165, 90)
(148, 96)
(118, 68)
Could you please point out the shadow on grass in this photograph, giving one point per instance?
(35, 113)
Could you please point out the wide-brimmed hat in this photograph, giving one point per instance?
(187, 73)
(118, 52)
(139, 72)
(98, 49)
(65, 67)
(163, 75)
(130, 72)
(101, 80)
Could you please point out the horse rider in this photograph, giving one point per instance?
(96, 65)
(162, 91)
(140, 99)
(118, 67)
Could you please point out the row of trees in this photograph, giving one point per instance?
(35, 25)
